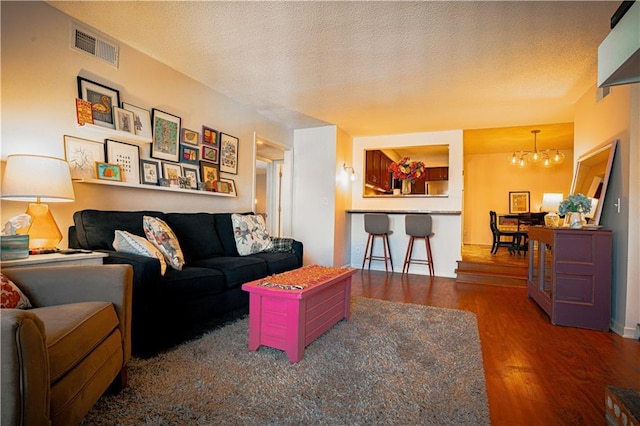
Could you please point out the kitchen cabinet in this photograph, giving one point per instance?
(570, 275)
(437, 173)
(377, 172)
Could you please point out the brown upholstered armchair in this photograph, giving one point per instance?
(59, 357)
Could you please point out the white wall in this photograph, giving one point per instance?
(314, 193)
(447, 240)
(39, 87)
(617, 116)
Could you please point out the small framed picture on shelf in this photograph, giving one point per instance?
(127, 157)
(124, 120)
(84, 113)
(149, 172)
(209, 173)
(171, 171)
(230, 186)
(166, 136)
(192, 173)
(108, 171)
(102, 99)
(141, 120)
(518, 202)
(209, 136)
(82, 155)
(189, 136)
(228, 154)
(209, 153)
(189, 154)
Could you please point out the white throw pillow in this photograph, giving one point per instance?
(126, 242)
(250, 233)
(161, 236)
(12, 296)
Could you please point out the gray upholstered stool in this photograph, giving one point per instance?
(418, 226)
(377, 225)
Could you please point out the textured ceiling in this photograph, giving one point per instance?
(376, 67)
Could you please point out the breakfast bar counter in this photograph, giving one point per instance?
(403, 212)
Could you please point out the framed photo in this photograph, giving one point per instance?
(192, 173)
(127, 157)
(209, 153)
(171, 171)
(108, 171)
(189, 136)
(230, 184)
(189, 154)
(209, 136)
(228, 154)
(209, 173)
(124, 120)
(102, 99)
(141, 120)
(82, 155)
(518, 201)
(166, 134)
(149, 172)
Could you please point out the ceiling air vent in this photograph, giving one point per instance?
(94, 44)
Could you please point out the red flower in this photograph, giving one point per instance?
(407, 170)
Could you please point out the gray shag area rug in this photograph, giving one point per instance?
(390, 364)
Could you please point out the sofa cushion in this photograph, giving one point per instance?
(236, 270)
(191, 283)
(250, 233)
(126, 242)
(95, 229)
(161, 236)
(278, 262)
(197, 235)
(224, 226)
(73, 331)
(11, 297)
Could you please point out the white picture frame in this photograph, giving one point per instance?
(124, 120)
(193, 173)
(82, 155)
(141, 120)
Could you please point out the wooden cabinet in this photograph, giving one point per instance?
(377, 170)
(570, 275)
(437, 173)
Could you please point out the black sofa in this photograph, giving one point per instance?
(182, 304)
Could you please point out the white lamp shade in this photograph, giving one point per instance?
(37, 178)
(551, 201)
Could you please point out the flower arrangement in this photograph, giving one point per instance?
(575, 203)
(407, 169)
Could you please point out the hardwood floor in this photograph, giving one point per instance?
(536, 373)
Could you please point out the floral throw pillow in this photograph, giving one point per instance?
(250, 233)
(11, 297)
(126, 242)
(161, 236)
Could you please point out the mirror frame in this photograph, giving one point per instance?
(611, 146)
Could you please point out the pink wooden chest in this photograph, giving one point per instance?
(290, 320)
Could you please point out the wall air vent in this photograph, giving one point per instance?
(94, 43)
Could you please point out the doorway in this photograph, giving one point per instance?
(272, 185)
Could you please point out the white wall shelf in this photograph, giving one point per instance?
(153, 187)
(118, 135)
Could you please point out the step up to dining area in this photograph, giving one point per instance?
(480, 266)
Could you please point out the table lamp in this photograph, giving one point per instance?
(38, 178)
(551, 201)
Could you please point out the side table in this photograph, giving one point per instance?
(55, 259)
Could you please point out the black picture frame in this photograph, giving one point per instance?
(166, 135)
(228, 155)
(102, 98)
(150, 172)
(519, 202)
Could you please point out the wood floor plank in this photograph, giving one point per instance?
(536, 373)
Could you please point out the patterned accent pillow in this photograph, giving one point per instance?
(250, 233)
(11, 297)
(161, 236)
(281, 245)
(126, 242)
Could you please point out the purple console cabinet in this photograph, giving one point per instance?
(570, 275)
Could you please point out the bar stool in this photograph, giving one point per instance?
(418, 226)
(377, 225)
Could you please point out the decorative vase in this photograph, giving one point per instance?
(574, 219)
(406, 186)
(552, 219)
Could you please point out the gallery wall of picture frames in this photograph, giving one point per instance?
(147, 147)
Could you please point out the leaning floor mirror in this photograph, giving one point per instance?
(591, 177)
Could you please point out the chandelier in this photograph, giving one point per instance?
(546, 158)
